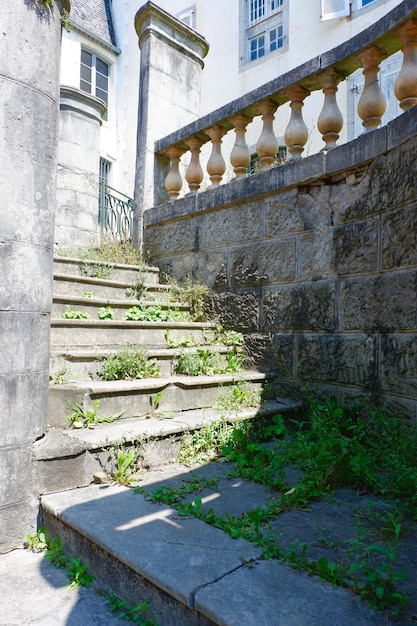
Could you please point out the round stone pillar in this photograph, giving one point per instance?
(76, 220)
(29, 88)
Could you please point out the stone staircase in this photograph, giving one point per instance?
(156, 413)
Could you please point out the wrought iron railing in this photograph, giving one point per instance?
(115, 213)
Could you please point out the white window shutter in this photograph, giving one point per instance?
(330, 9)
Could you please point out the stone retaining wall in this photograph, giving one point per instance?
(316, 261)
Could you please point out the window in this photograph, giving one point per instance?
(264, 28)
(276, 38)
(365, 2)
(94, 76)
(262, 9)
(188, 17)
(257, 47)
(388, 73)
(103, 179)
(332, 9)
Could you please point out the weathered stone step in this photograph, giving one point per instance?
(135, 397)
(92, 306)
(82, 364)
(132, 274)
(191, 573)
(67, 459)
(143, 551)
(113, 333)
(74, 285)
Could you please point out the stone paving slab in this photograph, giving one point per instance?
(223, 578)
(176, 554)
(33, 592)
(268, 593)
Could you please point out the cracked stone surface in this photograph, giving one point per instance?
(178, 555)
(196, 575)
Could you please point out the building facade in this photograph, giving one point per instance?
(251, 42)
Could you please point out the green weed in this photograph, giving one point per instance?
(188, 341)
(128, 364)
(88, 418)
(37, 542)
(205, 362)
(106, 313)
(71, 314)
(60, 377)
(193, 293)
(238, 396)
(136, 613)
(155, 313)
(123, 473)
(207, 443)
(119, 252)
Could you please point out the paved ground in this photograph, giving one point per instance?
(202, 565)
(34, 592)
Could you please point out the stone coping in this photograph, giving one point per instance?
(315, 169)
(150, 18)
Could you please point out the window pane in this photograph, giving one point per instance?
(275, 5)
(86, 58)
(273, 39)
(261, 46)
(102, 82)
(280, 41)
(85, 71)
(84, 86)
(257, 47)
(365, 2)
(102, 95)
(102, 67)
(257, 10)
(85, 74)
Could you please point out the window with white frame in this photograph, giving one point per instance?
(332, 9)
(94, 76)
(104, 181)
(264, 28)
(188, 17)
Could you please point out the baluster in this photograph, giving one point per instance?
(194, 174)
(371, 105)
(216, 165)
(240, 155)
(296, 133)
(267, 146)
(330, 121)
(173, 181)
(405, 88)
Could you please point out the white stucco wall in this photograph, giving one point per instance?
(224, 78)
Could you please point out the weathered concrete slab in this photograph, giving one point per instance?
(267, 593)
(177, 555)
(34, 592)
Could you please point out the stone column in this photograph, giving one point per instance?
(171, 62)
(76, 220)
(29, 88)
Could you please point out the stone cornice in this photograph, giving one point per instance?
(151, 20)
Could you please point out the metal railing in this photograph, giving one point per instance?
(115, 213)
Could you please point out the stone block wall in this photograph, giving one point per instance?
(316, 261)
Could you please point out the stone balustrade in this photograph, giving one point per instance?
(396, 31)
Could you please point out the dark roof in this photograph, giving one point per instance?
(94, 17)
